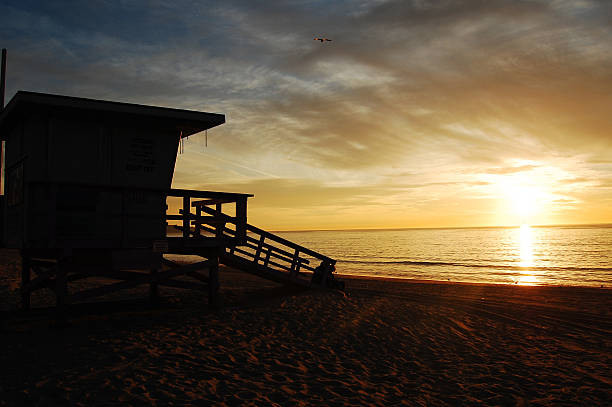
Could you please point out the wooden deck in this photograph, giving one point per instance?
(76, 216)
(125, 257)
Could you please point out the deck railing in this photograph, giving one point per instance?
(193, 225)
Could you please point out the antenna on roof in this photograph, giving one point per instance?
(2, 143)
(3, 78)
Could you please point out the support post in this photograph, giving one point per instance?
(124, 219)
(154, 286)
(220, 229)
(219, 225)
(156, 266)
(213, 281)
(186, 213)
(198, 223)
(326, 270)
(241, 220)
(267, 260)
(26, 292)
(259, 248)
(61, 288)
(52, 214)
(2, 78)
(295, 264)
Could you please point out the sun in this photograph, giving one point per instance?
(523, 201)
(523, 197)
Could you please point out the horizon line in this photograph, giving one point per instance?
(575, 225)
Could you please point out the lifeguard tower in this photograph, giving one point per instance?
(87, 186)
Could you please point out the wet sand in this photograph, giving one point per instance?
(388, 342)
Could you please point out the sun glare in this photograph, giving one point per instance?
(523, 200)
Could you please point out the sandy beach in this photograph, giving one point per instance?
(386, 342)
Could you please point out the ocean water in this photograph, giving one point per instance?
(556, 255)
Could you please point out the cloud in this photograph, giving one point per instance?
(409, 96)
(574, 181)
(510, 75)
(291, 193)
(511, 170)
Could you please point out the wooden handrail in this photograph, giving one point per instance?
(269, 248)
(278, 239)
(229, 196)
(261, 249)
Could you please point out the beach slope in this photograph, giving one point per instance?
(387, 342)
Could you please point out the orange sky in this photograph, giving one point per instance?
(417, 114)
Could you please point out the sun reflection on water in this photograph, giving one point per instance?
(526, 255)
(526, 246)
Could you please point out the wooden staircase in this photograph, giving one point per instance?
(262, 253)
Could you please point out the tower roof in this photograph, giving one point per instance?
(186, 121)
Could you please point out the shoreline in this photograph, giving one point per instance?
(395, 275)
(485, 283)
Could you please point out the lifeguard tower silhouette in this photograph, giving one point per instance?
(86, 189)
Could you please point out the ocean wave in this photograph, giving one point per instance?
(467, 265)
